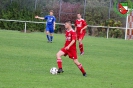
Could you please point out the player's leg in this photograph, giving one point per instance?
(48, 37)
(47, 33)
(73, 55)
(81, 47)
(79, 65)
(51, 37)
(59, 61)
(51, 34)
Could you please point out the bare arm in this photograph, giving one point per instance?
(84, 28)
(72, 42)
(54, 25)
(75, 28)
(42, 18)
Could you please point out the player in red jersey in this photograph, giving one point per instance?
(80, 28)
(69, 49)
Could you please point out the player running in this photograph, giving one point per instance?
(69, 49)
(80, 28)
(50, 25)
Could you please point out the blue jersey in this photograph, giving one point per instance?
(50, 19)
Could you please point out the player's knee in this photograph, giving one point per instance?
(76, 62)
(51, 34)
(80, 41)
(47, 32)
(58, 55)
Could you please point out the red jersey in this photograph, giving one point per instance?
(70, 35)
(80, 24)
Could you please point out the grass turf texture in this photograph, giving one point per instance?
(26, 58)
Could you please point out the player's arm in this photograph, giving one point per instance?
(75, 28)
(85, 26)
(54, 25)
(71, 43)
(54, 22)
(42, 18)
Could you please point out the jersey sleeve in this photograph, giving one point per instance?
(73, 35)
(45, 17)
(84, 23)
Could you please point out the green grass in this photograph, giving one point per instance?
(26, 58)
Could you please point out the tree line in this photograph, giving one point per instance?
(96, 14)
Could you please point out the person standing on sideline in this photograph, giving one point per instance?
(50, 25)
(80, 28)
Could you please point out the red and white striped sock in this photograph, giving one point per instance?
(81, 48)
(81, 68)
(59, 62)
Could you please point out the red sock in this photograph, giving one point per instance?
(81, 68)
(81, 48)
(59, 62)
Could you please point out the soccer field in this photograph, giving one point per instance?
(26, 58)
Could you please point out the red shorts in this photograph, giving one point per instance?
(80, 36)
(71, 53)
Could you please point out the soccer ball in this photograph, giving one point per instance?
(53, 70)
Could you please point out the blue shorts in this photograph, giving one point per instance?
(50, 28)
